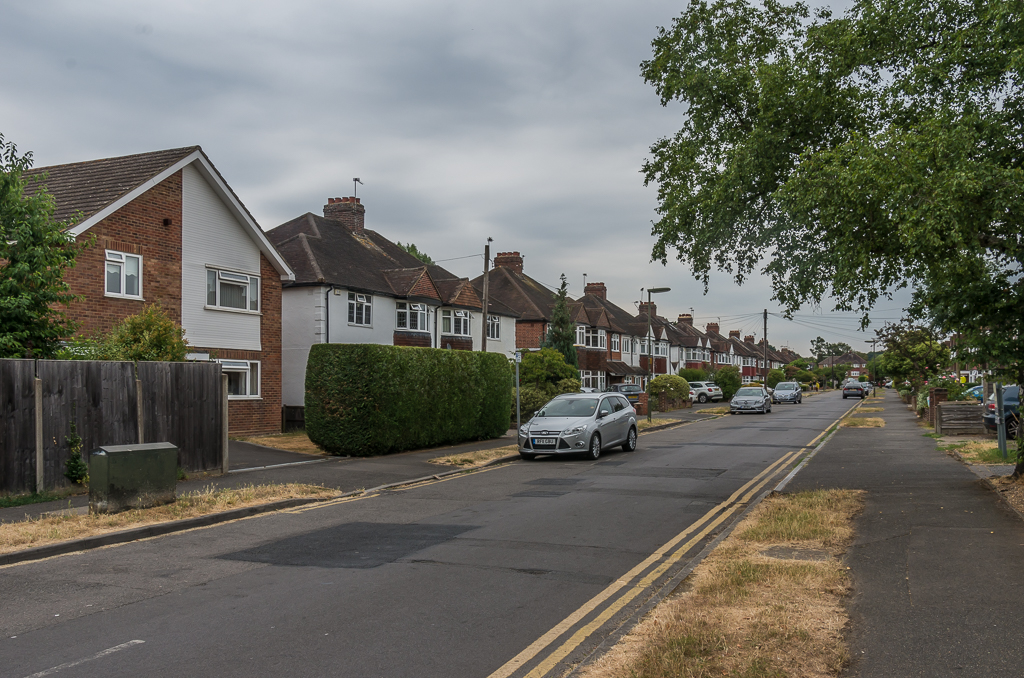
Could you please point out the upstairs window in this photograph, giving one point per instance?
(237, 291)
(411, 317)
(455, 322)
(581, 333)
(593, 337)
(661, 348)
(359, 309)
(615, 343)
(493, 327)
(123, 275)
(643, 346)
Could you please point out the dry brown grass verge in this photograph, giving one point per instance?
(1012, 491)
(296, 441)
(716, 410)
(642, 424)
(48, 530)
(982, 452)
(863, 422)
(477, 458)
(747, 614)
(870, 409)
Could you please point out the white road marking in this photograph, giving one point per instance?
(98, 655)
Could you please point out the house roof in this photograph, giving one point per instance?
(600, 312)
(95, 189)
(519, 292)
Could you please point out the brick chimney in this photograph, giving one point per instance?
(653, 308)
(512, 260)
(685, 319)
(734, 334)
(597, 289)
(712, 327)
(749, 339)
(346, 211)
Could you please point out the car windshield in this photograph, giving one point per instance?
(569, 407)
(785, 387)
(749, 392)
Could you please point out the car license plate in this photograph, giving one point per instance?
(543, 441)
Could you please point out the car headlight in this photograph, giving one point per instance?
(575, 430)
(524, 430)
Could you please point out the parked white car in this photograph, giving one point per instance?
(703, 391)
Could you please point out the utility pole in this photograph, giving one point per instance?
(765, 380)
(484, 324)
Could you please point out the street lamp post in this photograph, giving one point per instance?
(650, 344)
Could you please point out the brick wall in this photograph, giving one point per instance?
(529, 333)
(136, 228)
(263, 415)
(457, 343)
(421, 339)
(594, 359)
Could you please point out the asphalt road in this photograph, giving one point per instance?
(521, 569)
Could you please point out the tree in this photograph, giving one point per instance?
(414, 251)
(150, 335)
(693, 374)
(562, 330)
(544, 367)
(912, 353)
(864, 153)
(35, 251)
(823, 349)
(729, 380)
(773, 378)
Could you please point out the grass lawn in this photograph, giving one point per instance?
(295, 441)
(48, 530)
(477, 458)
(863, 422)
(767, 603)
(983, 452)
(642, 423)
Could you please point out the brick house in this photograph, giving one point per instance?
(695, 345)
(607, 347)
(354, 286)
(529, 299)
(166, 228)
(858, 364)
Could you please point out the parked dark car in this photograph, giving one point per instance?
(1011, 412)
(631, 391)
(787, 392)
(854, 389)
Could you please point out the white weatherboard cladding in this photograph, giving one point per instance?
(382, 316)
(301, 322)
(212, 236)
(507, 343)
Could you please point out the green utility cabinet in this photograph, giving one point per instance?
(124, 477)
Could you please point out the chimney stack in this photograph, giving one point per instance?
(734, 334)
(685, 319)
(712, 327)
(749, 339)
(511, 260)
(597, 289)
(653, 308)
(348, 212)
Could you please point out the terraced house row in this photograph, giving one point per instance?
(165, 227)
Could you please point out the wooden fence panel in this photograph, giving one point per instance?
(17, 425)
(100, 396)
(181, 404)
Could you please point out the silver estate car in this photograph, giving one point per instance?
(751, 399)
(787, 392)
(576, 423)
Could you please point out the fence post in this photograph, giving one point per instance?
(138, 406)
(224, 423)
(40, 470)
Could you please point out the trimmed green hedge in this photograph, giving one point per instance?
(365, 399)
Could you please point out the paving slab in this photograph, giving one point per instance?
(936, 559)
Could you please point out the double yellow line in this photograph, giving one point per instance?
(669, 554)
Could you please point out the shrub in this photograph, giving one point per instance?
(674, 387)
(150, 335)
(532, 397)
(545, 367)
(364, 399)
(922, 401)
(729, 380)
(693, 374)
(774, 377)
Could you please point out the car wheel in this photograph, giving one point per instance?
(702, 398)
(595, 447)
(630, 443)
(527, 456)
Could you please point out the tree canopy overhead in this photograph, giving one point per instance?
(890, 138)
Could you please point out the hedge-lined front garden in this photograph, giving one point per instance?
(365, 399)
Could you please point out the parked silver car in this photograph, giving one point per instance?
(704, 391)
(575, 423)
(787, 392)
(751, 399)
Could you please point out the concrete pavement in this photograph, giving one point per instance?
(936, 565)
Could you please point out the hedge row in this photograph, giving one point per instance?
(364, 399)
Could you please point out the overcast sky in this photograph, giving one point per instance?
(526, 122)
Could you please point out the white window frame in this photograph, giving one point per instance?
(360, 309)
(247, 368)
(615, 343)
(660, 349)
(249, 281)
(581, 335)
(456, 323)
(643, 346)
(494, 327)
(593, 337)
(120, 259)
(407, 314)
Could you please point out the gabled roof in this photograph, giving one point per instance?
(691, 337)
(602, 313)
(95, 189)
(518, 292)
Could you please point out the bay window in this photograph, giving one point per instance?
(411, 316)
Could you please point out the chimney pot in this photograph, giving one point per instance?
(734, 334)
(685, 319)
(510, 260)
(712, 327)
(598, 289)
(749, 339)
(347, 212)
